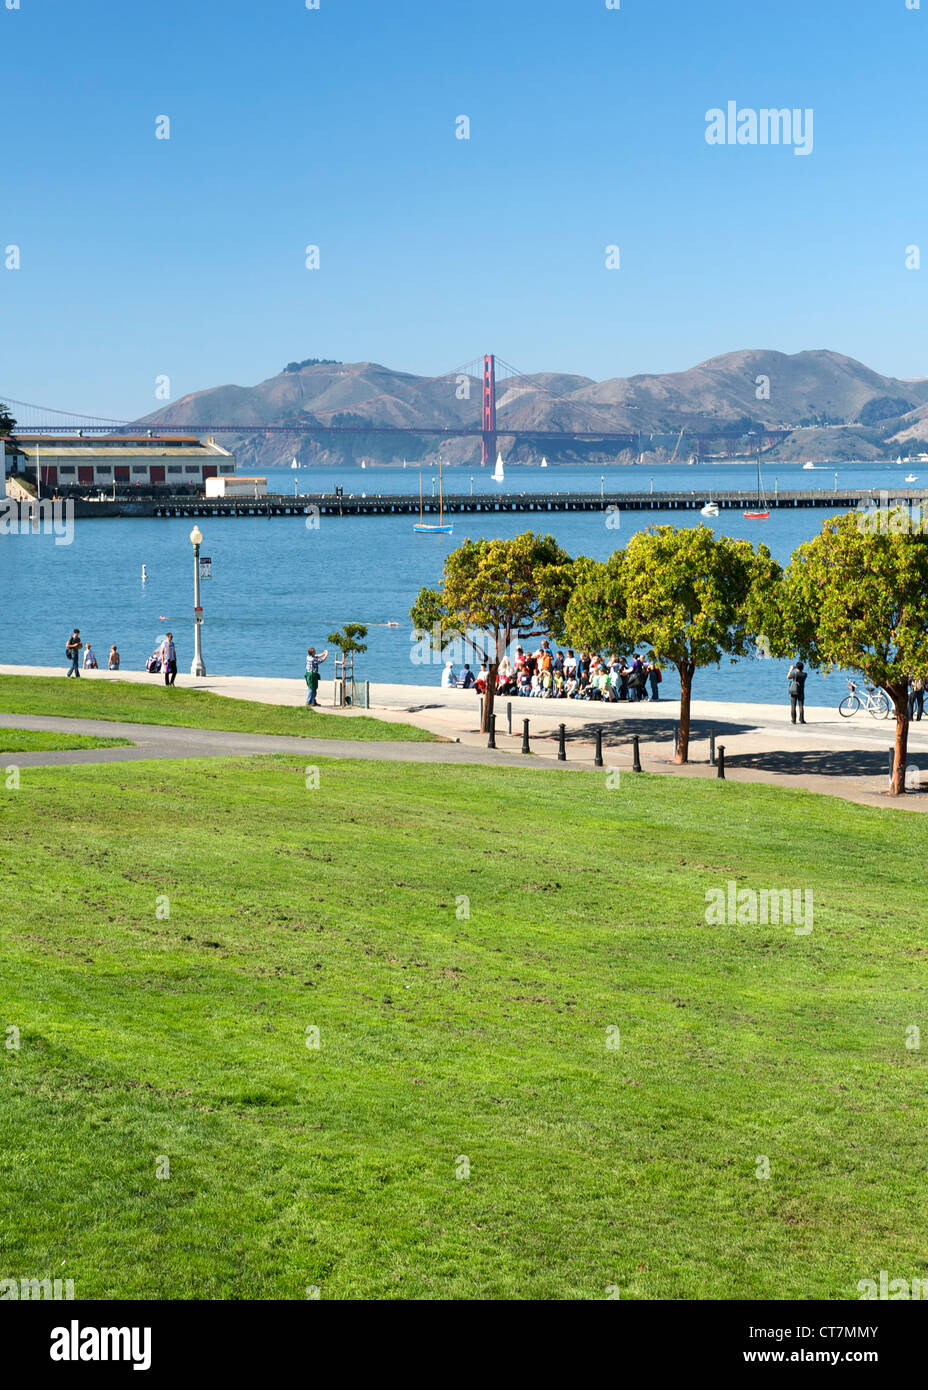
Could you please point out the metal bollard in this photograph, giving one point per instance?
(721, 766)
(509, 718)
(676, 738)
(712, 750)
(491, 741)
(598, 760)
(636, 765)
(525, 747)
(481, 711)
(561, 749)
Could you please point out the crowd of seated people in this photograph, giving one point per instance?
(556, 674)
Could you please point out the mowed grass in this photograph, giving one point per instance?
(128, 702)
(35, 741)
(464, 939)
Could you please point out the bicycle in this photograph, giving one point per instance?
(874, 702)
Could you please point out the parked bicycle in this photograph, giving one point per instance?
(874, 701)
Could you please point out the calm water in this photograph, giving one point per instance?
(278, 587)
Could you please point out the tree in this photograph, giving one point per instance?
(689, 596)
(855, 598)
(494, 591)
(347, 639)
(7, 423)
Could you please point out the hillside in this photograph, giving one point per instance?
(816, 390)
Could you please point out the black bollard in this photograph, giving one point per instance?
(721, 763)
(525, 747)
(598, 760)
(676, 739)
(491, 741)
(712, 750)
(636, 765)
(481, 711)
(509, 718)
(561, 749)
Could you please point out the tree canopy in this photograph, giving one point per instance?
(855, 598)
(7, 422)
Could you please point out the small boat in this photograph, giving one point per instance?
(544, 463)
(807, 466)
(911, 477)
(760, 513)
(899, 459)
(144, 574)
(429, 527)
(363, 464)
(294, 464)
(498, 475)
(710, 509)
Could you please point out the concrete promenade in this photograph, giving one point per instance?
(843, 757)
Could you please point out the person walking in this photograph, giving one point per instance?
(313, 662)
(73, 651)
(654, 678)
(113, 663)
(90, 660)
(168, 654)
(797, 692)
(916, 697)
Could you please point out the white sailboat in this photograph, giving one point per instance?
(363, 464)
(498, 474)
(544, 463)
(294, 464)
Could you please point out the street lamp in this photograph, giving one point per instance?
(602, 487)
(197, 668)
(433, 487)
(471, 484)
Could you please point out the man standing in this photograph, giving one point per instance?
(169, 659)
(312, 672)
(73, 650)
(797, 691)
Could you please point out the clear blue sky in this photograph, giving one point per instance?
(185, 257)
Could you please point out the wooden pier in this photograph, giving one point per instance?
(484, 504)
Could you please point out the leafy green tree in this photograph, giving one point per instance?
(493, 592)
(855, 598)
(347, 640)
(7, 423)
(687, 595)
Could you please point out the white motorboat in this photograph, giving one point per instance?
(911, 477)
(807, 466)
(710, 509)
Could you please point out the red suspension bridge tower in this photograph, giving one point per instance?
(488, 420)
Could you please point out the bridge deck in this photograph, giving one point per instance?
(403, 504)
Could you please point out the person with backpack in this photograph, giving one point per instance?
(655, 678)
(72, 652)
(797, 691)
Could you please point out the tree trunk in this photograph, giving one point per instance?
(686, 669)
(489, 697)
(900, 698)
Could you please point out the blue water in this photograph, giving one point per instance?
(278, 586)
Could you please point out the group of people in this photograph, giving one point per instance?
(556, 674)
(73, 651)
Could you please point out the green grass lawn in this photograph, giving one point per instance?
(125, 701)
(36, 741)
(446, 1036)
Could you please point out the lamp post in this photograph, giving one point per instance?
(197, 668)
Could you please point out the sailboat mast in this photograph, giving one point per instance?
(441, 502)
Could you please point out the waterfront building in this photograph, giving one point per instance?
(129, 463)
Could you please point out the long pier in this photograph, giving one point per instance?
(407, 504)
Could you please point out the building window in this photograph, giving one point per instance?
(174, 468)
(66, 468)
(227, 468)
(193, 468)
(140, 468)
(104, 468)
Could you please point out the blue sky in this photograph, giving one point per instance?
(185, 257)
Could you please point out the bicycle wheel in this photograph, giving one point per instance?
(849, 705)
(879, 706)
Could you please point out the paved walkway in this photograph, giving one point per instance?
(840, 757)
